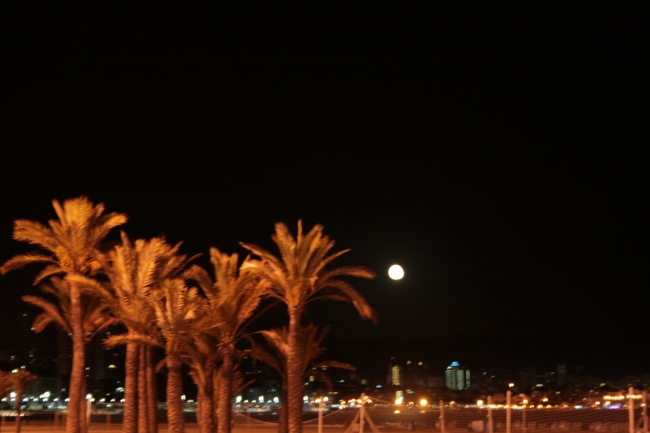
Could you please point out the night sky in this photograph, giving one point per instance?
(497, 155)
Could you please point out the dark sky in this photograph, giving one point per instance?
(498, 155)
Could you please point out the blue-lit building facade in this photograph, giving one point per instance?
(457, 377)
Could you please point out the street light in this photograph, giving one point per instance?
(320, 402)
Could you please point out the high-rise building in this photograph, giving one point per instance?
(416, 373)
(456, 377)
(395, 375)
(64, 359)
(561, 375)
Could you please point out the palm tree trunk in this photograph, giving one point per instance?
(84, 418)
(143, 419)
(282, 419)
(130, 424)
(175, 420)
(152, 392)
(77, 375)
(205, 398)
(215, 397)
(19, 402)
(201, 413)
(225, 389)
(295, 384)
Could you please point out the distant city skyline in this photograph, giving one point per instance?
(41, 353)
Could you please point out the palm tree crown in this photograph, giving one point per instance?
(72, 240)
(301, 275)
(96, 315)
(5, 383)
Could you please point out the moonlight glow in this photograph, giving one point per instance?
(396, 272)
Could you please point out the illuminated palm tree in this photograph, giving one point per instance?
(5, 383)
(176, 307)
(70, 246)
(201, 358)
(95, 314)
(20, 380)
(232, 299)
(129, 269)
(273, 350)
(300, 276)
(136, 272)
(208, 376)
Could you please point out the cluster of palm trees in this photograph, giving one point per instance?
(198, 318)
(16, 381)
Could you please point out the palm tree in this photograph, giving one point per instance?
(131, 270)
(20, 379)
(232, 299)
(201, 358)
(298, 277)
(5, 383)
(71, 244)
(176, 307)
(95, 314)
(207, 377)
(136, 271)
(273, 350)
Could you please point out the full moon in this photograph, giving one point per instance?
(396, 272)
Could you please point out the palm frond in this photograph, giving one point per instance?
(345, 292)
(50, 314)
(91, 286)
(22, 378)
(23, 260)
(124, 339)
(35, 233)
(102, 326)
(348, 271)
(268, 357)
(276, 339)
(261, 252)
(47, 272)
(200, 276)
(287, 246)
(335, 364)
